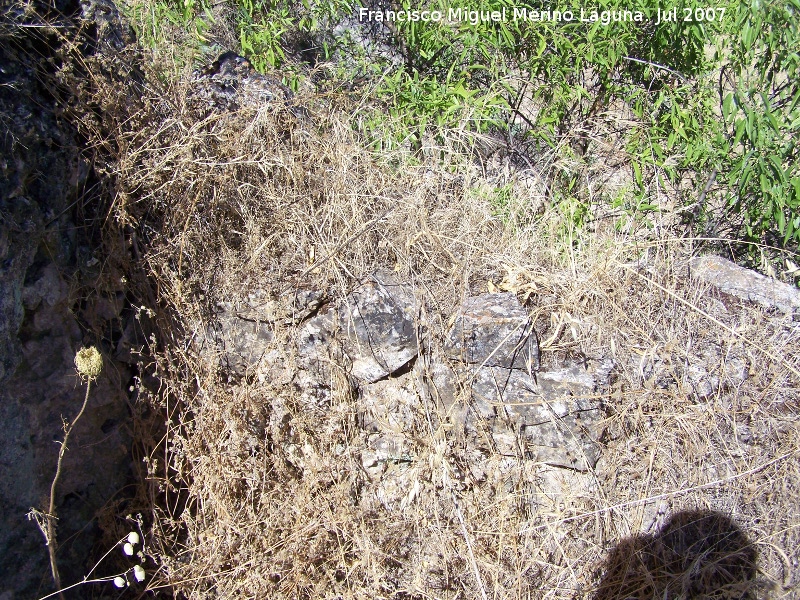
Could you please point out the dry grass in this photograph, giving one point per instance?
(258, 495)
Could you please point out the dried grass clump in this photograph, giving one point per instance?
(262, 495)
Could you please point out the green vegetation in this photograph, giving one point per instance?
(713, 95)
(762, 115)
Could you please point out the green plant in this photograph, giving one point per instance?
(260, 35)
(546, 84)
(762, 114)
(574, 214)
(152, 19)
(420, 105)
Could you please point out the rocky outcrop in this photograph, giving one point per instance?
(743, 283)
(488, 379)
(552, 417)
(241, 342)
(240, 336)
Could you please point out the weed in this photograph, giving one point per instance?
(265, 493)
(551, 83)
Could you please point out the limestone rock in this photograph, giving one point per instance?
(440, 380)
(241, 334)
(389, 447)
(305, 302)
(388, 406)
(703, 384)
(557, 419)
(495, 331)
(743, 283)
(374, 327)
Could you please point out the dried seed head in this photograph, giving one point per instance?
(138, 572)
(89, 362)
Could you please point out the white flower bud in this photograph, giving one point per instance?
(128, 549)
(133, 538)
(138, 572)
(119, 582)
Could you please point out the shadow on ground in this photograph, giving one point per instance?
(695, 555)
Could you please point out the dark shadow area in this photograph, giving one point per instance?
(64, 284)
(695, 555)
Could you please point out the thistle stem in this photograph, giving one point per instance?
(51, 511)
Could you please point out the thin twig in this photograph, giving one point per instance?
(81, 582)
(347, 242)
(655, 65)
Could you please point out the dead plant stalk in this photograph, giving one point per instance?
(88, 363)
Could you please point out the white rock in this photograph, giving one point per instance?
(743, 283)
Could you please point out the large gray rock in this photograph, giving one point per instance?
(240, 335)
(494, 330)
(554, 418)
(373, 329)
(743, 283)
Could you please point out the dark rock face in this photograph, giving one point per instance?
(22, 227)
(43, 264)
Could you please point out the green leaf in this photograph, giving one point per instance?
(637, 173)
(741, 128)
(777, 168)
(727, 106)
